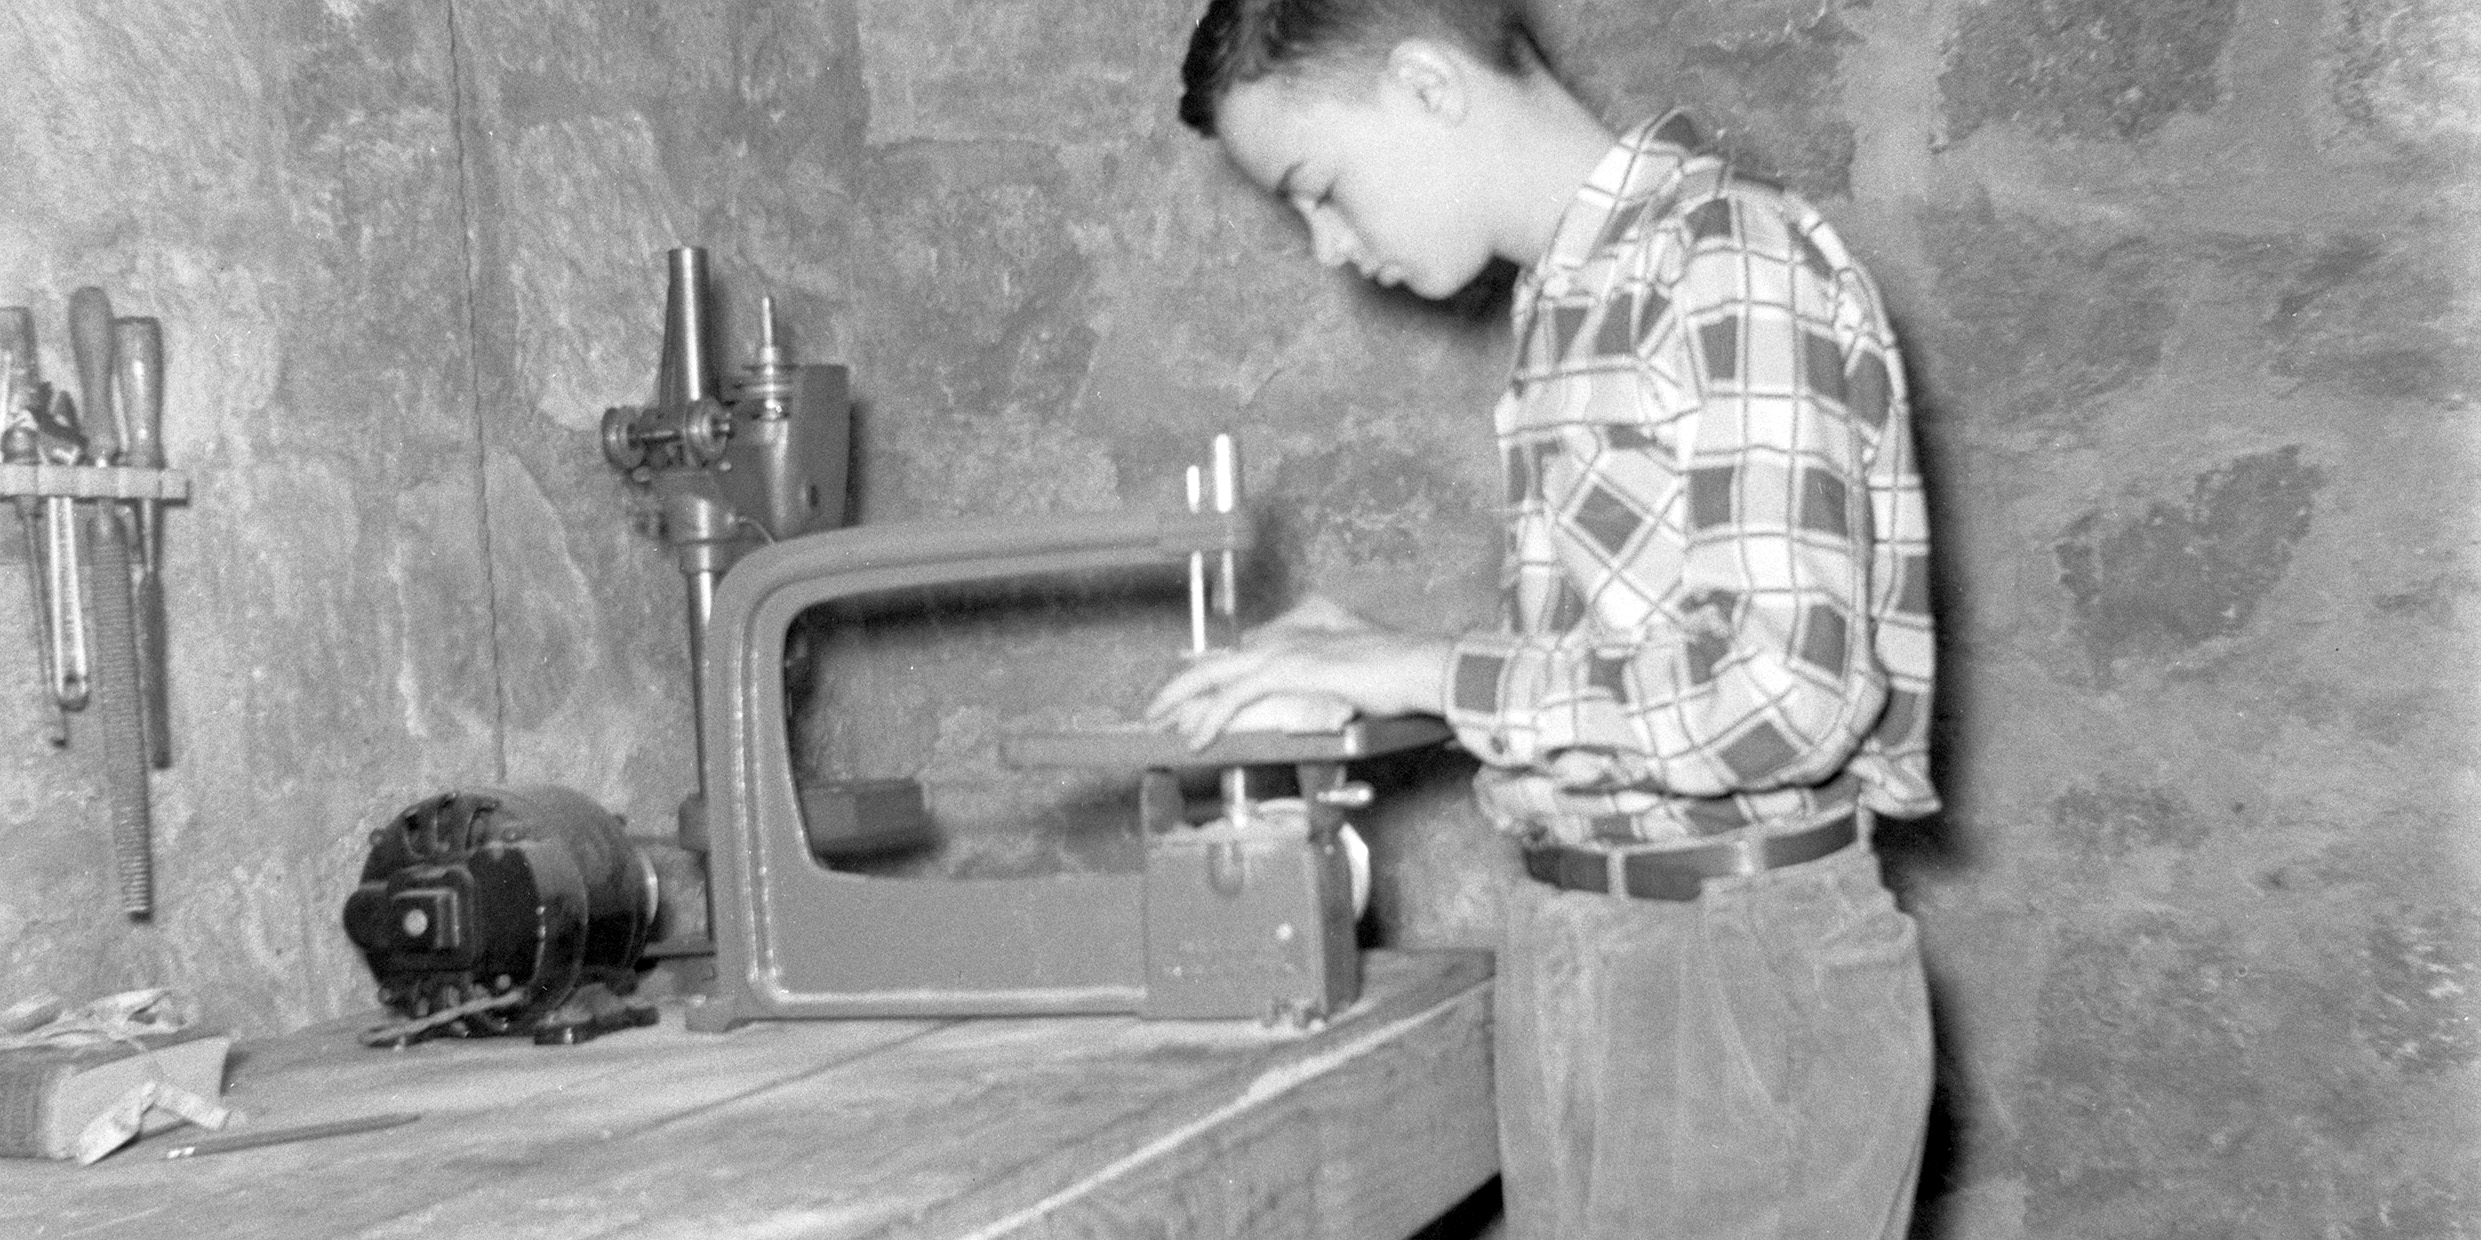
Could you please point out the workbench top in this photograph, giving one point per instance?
(1092, 1126)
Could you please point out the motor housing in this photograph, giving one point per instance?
(472, 895)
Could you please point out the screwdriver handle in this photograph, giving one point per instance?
(138, 369)
(138, 377)
(90, 340)
(17, 368)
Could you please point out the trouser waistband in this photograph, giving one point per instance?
(1680, 873)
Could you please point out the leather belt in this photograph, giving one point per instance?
(1678, 873)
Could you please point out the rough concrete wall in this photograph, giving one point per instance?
(277, 182)
(599, 137)
(2188, 293)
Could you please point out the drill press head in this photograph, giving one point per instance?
(763, 462)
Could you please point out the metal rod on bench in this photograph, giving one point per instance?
(1226, 463)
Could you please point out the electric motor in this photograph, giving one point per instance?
(502, 902)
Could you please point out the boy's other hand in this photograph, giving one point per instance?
(1317, 650)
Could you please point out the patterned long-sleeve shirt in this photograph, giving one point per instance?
(1717, 583)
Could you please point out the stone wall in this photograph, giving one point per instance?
(2187, 290)
(280, 185)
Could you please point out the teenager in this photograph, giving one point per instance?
(1715, 673)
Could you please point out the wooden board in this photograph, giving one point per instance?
(1033, 1128)
(1137, 747)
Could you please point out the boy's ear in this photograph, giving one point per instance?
(1432, 76)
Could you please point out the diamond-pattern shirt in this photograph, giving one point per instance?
(1716, 589)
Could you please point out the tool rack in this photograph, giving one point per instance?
(87, 478)
(129, 482)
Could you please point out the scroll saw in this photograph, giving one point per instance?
(1245, 914)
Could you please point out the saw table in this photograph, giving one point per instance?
(1056, 1126)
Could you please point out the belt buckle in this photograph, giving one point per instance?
(1655, 881)
(1747, 855)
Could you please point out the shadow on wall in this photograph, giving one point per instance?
(1935, 847)
(1922, 851)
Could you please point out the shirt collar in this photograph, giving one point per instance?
(1644, 160)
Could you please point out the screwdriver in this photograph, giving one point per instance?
(21, 444)
(138, 369)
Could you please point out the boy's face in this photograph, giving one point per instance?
(1375, 170)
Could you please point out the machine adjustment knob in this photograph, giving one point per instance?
(706, 430)
(621, 445)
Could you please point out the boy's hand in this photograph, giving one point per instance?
(1315, 650)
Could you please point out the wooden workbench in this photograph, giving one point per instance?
(1005, 1127)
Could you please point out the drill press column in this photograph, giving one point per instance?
(729, 476)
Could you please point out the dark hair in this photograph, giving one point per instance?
(1241, 41)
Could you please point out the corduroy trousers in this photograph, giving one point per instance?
(1752, 1064)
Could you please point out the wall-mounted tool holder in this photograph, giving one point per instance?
(87, 478)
